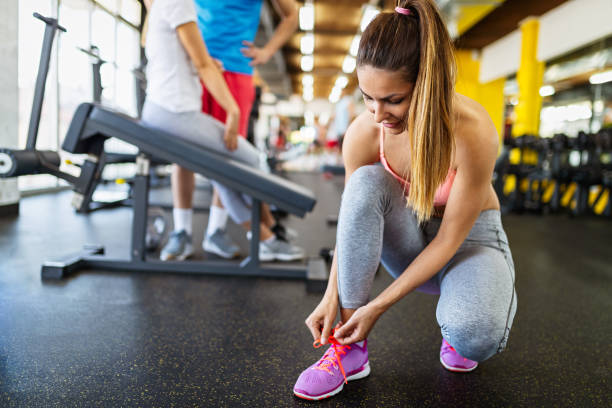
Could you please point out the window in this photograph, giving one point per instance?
(110, 25)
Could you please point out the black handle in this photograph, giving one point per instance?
(49, 20)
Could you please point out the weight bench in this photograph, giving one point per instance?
(93, 124)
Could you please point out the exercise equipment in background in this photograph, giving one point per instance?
(558, 174)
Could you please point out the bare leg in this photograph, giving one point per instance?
(345, 314)
(183, 185)
(266, 216)
(264, 231)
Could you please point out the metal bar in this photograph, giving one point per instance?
(255, 230)
(140, 209)
(97, 81)
(39, 89)
(224, 268)
(41, 80)
(86, 183)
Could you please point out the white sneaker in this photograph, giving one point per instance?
(178, 247)
(279, 250)
(219, 243)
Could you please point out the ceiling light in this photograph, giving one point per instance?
(342, 81)
(307, 43)
(547, 90)
(307, 89)
(355, 45)
(307, 80)
(601, 77)
(307, 63)
(368, 15)
(335, 94)
(307, 94)
(348, 66)
(307, 17)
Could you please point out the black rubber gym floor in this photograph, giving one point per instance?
(112, 339)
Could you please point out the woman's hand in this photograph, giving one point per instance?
(358, 326)
(218, 64)
(322, 318)
(231, 130)
(258, 55)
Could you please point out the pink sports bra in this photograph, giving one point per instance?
(442, 192)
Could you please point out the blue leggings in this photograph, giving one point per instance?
(204, 130)
(477, 298)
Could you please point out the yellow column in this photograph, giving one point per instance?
(468, 68)
(529, 78)
(490, 95)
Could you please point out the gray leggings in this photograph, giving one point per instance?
(204, 130)
(476, 287)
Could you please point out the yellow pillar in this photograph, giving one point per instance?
(468, 68)
(529, 78)
(490, 95)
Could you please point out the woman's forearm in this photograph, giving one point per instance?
(191, 39)
(425, 265)
(286, 27)
(214, 82)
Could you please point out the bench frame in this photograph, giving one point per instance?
(90, 127)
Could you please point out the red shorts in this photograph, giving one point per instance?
(241, 87)
(330, 144)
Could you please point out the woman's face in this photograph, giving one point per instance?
(386, 95)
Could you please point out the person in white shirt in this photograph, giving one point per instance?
(177, 60)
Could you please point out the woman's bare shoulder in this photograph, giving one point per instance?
(360, 144)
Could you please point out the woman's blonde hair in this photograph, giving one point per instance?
(418, 45)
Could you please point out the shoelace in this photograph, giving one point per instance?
(328, 359)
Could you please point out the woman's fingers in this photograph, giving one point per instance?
(326, 331)
(351, 338)
(314, 329)
(344, 330)
(219, 64)
(231, 141)
(249, 50)
(348, 334)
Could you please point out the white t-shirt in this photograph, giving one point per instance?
(172, 80)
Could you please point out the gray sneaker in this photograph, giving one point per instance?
(219, 243)
(178, 247)
(279, 250)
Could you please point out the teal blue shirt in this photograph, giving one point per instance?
(224, 25)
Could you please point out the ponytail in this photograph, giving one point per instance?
(418, 45)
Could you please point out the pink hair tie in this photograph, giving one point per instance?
(403, 11)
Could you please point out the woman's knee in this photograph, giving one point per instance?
(475, 340)
(366, 183)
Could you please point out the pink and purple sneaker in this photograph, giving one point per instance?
(452, 361)
(338, 365)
